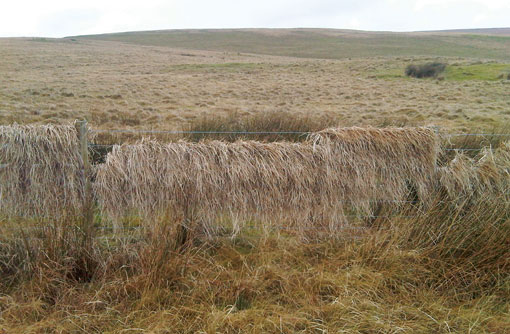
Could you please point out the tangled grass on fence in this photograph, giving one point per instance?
(396, 160)
(40, 170)
(487, 175)
(337, 172)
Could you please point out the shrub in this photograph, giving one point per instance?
(428, 70)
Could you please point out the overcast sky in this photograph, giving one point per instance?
(58, 18)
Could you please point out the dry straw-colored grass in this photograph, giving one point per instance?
(382, 163)
(173, 87)
(444, 270)
(40, 170)
(464, 179)
(335, 174)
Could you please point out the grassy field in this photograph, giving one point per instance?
(440, 269)
(114, 85)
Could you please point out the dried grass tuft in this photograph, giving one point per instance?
(40, 170)
(335, 174)
(487, 175)
(382, 163)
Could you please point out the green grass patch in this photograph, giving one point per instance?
(489, 72)
(392, 74)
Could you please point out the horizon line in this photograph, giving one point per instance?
(454, 30)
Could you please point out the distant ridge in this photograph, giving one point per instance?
(328, 43)
(481, 31)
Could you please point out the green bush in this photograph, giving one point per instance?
(428, 70)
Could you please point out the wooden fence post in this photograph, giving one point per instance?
(88, 198)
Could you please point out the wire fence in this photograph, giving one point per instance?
(202, 132)
(92, 145)
(145, 131)
(106, 228)
(256, 133)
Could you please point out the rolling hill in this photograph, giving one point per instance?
(327, 43)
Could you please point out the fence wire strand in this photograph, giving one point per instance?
(258, 132)
(447, 149)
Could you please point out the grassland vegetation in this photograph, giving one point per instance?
(131, 87)
(321, 43)
(439, 265)
(458, 71)
(292, 127)
(488, 71)
(443, 267)
(444, 271)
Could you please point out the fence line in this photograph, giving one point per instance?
(260, 132)
(479, 134)
(352, 216)
(179, 132)
(83, 130)
(125, 229)
(138, 228)
(40, 165)
(447, 149)
(201, 132)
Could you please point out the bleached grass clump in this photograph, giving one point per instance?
(40, 170)
(384, 163)
(335, 174)
(276, 182)
(487, 175)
